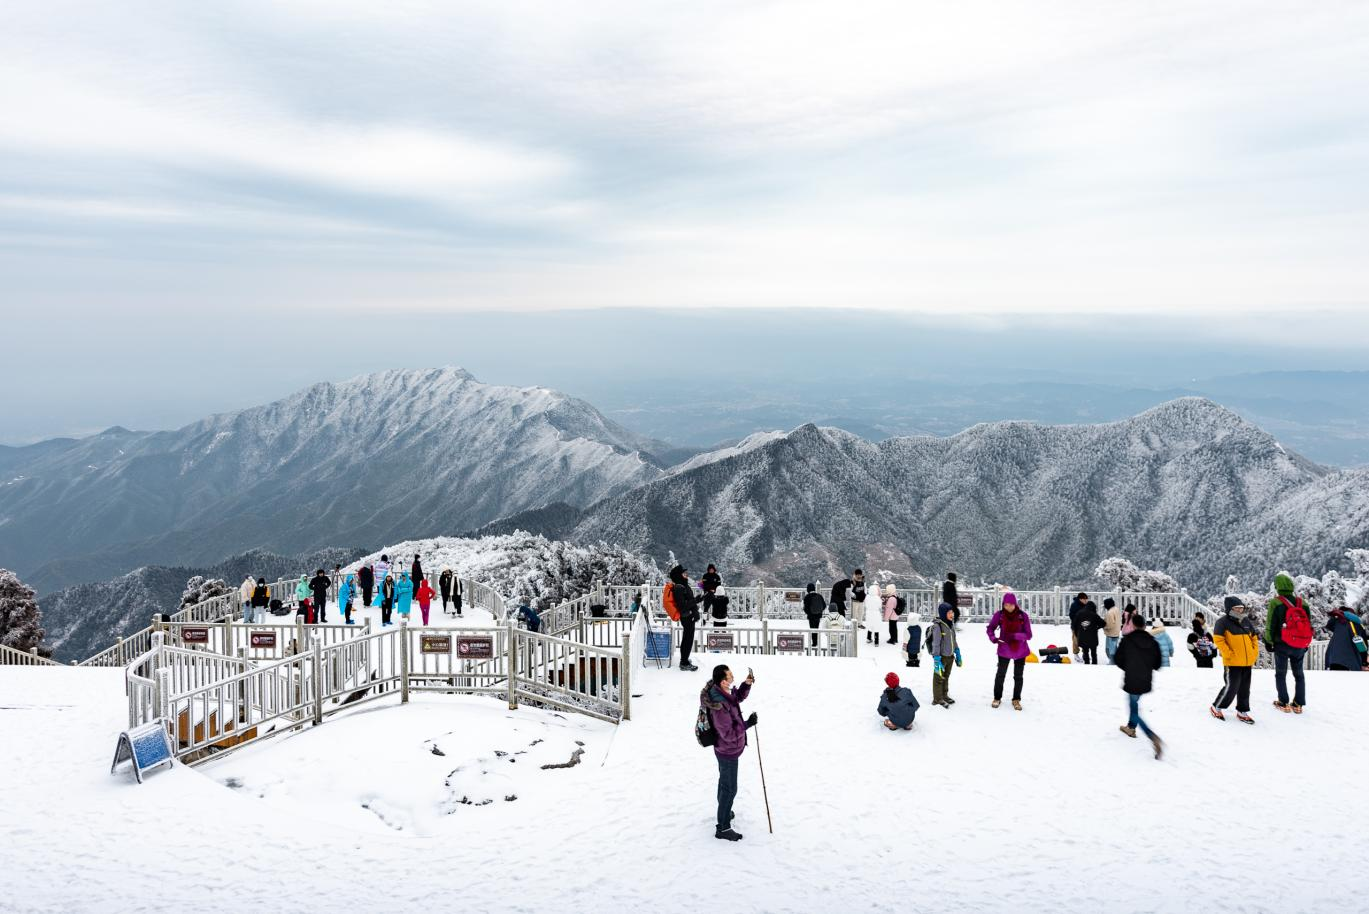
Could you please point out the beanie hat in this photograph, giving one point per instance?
(721, 591)
(950, 576)
(1232, 602)
(891, 680)
(890, 590)
(812, 587)
(1283, 584)
(1109, 603)
(1010, 599)
(914, 619)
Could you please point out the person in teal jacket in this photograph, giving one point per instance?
(344, 598)
(1162, 638)
(404, 594)
(303, 596)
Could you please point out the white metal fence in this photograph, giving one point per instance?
(13, 657)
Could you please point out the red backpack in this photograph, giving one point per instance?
(1297, 626)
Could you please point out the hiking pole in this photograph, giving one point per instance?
(765, 793)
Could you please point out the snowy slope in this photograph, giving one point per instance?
(1189, 487)
(368, 460)
(1049, 809)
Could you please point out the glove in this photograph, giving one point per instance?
(957, 657)
(751, 721)
(936, 665)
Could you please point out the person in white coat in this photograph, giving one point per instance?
(249, 584)
(874, 614)
(891, 612)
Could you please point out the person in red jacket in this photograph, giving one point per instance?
(425, 598)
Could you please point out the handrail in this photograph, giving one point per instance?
(10, 656)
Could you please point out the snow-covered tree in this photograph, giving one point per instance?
(20, 618)
(199, 588)
(1122, 574)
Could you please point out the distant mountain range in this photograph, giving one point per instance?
(380, 458)
(1188, 487)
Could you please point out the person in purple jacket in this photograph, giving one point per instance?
(1010, 629)
(724, 706)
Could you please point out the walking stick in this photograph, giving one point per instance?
(765, 793)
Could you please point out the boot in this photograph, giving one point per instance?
(1283, 707)
(997, 702)
(1129, 731)
(727, 834)
(1016, 705)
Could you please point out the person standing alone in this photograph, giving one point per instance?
(1240, 648)
(681, 605)
(1288, 632)
(724, 707)
(1011, 630)
(1139, 656)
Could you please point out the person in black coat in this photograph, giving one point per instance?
(1343, 653)
(710, 582)
(814, 607)
(949, 594)
(1200, 643)
(416, 573)
(688, 607)
(1086, 624)
(1138, 655)
(1078, 603)
(319, 585)
(367, 579)
(838, 599)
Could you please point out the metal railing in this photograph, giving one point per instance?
(10, 656)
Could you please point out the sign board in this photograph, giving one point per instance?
(718, 641)
(197, 634)
(262, 639)
(964, 599)
(435, 644)
(789, 642)
(793, 596)
(475, 647)
(145, 747)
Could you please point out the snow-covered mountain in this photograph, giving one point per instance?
(375, 459)
(1188, 486)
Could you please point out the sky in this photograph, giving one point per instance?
(206, 192)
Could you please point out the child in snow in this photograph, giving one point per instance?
(1138, 655)
(1239, 643)
(425, 598)
(914, 639)
(1162, 638)
(897, 705)
(944, 650)
(718, 606)
(1200, 643)
(893, 608)
(306, 609)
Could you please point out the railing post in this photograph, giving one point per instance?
(855, 631)
(161, 694)
(244, 713)
(299, 634)
(765, 637)
(403, 660)
(512, 665)
(625, 678)
(317, 651)
(760, 602)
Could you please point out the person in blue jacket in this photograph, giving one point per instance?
(344, 598)
(1162, 638)
(897, 705)
(404, 594)
(1347, 648)
(531, 620)
(914, 639)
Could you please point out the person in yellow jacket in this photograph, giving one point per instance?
(1239, 645)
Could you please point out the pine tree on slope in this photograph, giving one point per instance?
(20, 616)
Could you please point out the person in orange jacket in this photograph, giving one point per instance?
(425, 598)
(1239, 645)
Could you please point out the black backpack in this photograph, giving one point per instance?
(928, 640)
(900, 605)
(703, 728)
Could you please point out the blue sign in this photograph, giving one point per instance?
(146, 747)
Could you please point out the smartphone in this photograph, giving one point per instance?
(750, 674)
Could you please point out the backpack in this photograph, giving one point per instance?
(900, 605)
(668, 601)
(927, 641)
(1204, 648)
(703, 725)
(1297, 626)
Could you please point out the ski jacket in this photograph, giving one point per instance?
(725, 711)
(1166, 646)
(1139, 657)
(899, 705)
(686, 604)
(1014, 630)
(814, 605)
(943, 633)
(425, 594)
(1087, 625)
(302, 588)
(1276, 617)
(1236, 640)
(319, 585)
(891, 609)
(261, 595)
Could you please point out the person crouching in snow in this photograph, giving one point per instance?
(425, 598)
(1240, 647)
(944, 650)
(1010, 629)
(892, 610)
(1138, 655)
(914, 639)
(897, 705)
(1163, 640)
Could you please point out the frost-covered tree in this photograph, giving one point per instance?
(199, 588)
(20, 618)
(1359, 561)
(1121, 574)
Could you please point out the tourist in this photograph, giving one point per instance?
(1112, 626)
(944, 650)
(245, 598)
(319, 585)
(893, 608)
(1347, 648)
(949, 593)
(366, 577)
(1087, 625)
(1239, 645)
(872, 612)
(897, 705)
(444, 585)
(345, 592)
(404, 595)
(682, 606)
(416, 571)
(709, 584)
(1139, 656)
(425, 596)
(304, 607)
(387, 599)
(1200, 643)
(1288, 633)
(814, 607)
(1010, 629)
(837, 602)
(719, 605)
(724, 707)
(914, 648)
(1163, 640)
(261, 599)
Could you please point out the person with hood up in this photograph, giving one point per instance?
(302, 599)
(1288, 633)
(681, 597)
(1239, 644)
(425, 596)
(1163, 640)
(1087, 625)
(366, 577)
(872, 615)
(404, 595)
(1347, 650)
(1080, 600)
(897, 705)
(245, 598)
(914, 647)
(719, 604)
(387, 599)
(1138, 655)
(1112, 626)
(319, 585)
(1010, 629)
(893, 608)
(444, 585)
(416, 571)
(1200, 643)
(944, 650)
(709, 584)
(814, 607)
(345, 592)
(724, 707)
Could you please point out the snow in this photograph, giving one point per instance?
(1047, 809)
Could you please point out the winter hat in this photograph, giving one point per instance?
(721, 591)
(890, 590)
(891, 680)
(950, 576)
(914, 619)
(1010, 599)
(1109, 603)
(812, 587)
(1158, 627)
(1283, 584)
(1231, 603)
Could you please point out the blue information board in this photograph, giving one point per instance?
(145, 747)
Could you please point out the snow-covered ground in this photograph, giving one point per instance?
(1047, 809)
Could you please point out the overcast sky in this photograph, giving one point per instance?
(230, 169)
